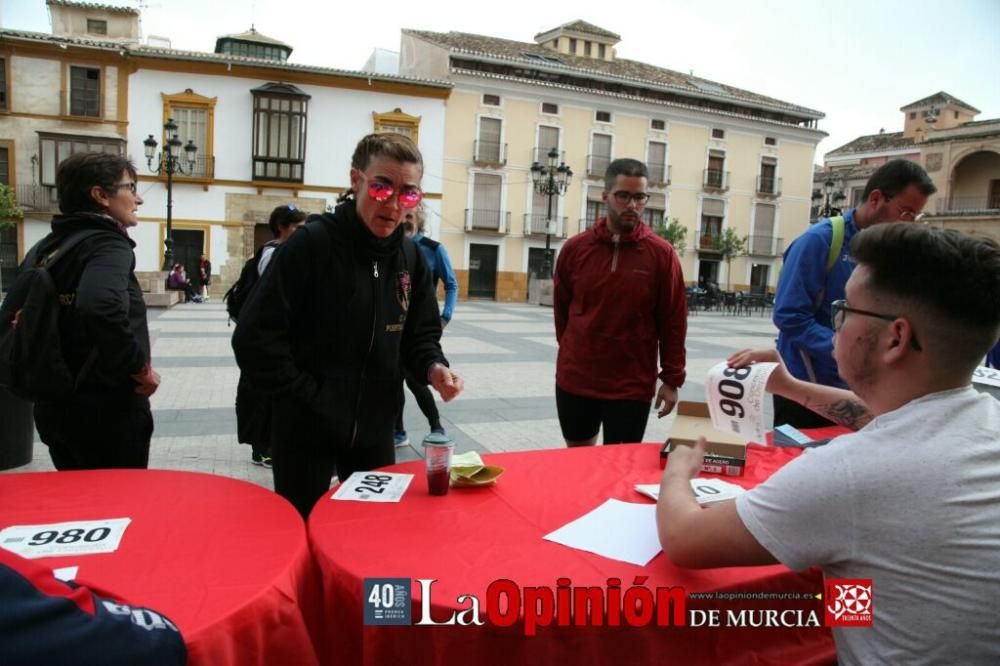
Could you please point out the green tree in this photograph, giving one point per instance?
(730, 245)
(674, 233)
(9, 210)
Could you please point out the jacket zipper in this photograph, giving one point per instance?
(371, 344)
(614, 257)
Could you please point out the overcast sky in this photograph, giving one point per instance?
(858, 61)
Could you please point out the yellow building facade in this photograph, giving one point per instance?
(718, 157)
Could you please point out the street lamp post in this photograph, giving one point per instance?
(169, 162)
(833, 196)
(551, 179)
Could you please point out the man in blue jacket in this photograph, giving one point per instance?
(815, 272)
(437, 260)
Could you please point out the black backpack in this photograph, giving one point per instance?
(236, 297)
(32, 366)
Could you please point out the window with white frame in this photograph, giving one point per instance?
(279, 132)
(600, 155)
(657, 162)
(655, 209)
(548, 138)
(488, 148)
(54, 148)
(486, 213)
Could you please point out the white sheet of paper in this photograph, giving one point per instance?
(373, 487)
(619, 530)
(987, 376)
(78, 537)
(706, 491)
(66, 573)
(736, 399)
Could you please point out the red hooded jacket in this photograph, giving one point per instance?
(619, 299)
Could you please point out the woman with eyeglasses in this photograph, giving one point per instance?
(344, 304)
(106, 420)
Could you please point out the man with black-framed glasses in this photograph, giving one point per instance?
(816, 268)
(907, 506)
(620, 307)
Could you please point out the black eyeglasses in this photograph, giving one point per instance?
(131, 187)
(839, 310)
(638, 198)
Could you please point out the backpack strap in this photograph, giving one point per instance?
(837, 244)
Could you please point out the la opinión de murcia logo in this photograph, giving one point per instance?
(387, 601)
(848, 602)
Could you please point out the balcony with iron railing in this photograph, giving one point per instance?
(768, 186)
(541, 155)
(586, 223)
(716, 180)
(487, 220)
(708, 241)
(489, 153)
(659, 175)
(204, 170)
(981, 205)
(597, 165)
(538, 225)
(765, 246)
(37, 199)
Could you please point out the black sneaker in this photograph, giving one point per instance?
(260, 459)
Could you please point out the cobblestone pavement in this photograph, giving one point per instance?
(506, 354)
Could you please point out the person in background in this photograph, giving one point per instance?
(896, 192)
(178, 280)
(107, 421)
(253, 409)
(440, 266)
(346, 302)
(620, 313)
(909, 505)
(204, 276)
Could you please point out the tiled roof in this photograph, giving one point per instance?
(174, 54)
(636, 73)
(941, 98)
(875, 142)
(252, 35)
(583, 26)
(91, 5)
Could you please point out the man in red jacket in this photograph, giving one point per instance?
(619, 305)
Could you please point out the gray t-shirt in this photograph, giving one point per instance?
(912, 501)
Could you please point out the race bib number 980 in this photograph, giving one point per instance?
(80, 537)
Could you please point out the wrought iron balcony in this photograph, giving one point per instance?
(765, 246)
(768, 186)
(982, 205)
(538, 225)
(708, 241)
(597, 165)
(37, 199)
(489, 153)
(483, 219)
(716, 180)
(541, 155)
(659, 175)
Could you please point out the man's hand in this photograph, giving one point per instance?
(147, 379)
(780, 381)
(445, 382)
(685, 461)
(666, 398)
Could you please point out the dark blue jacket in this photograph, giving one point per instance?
(802, 302)
(440, 265)
(46, 622)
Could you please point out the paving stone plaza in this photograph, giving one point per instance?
(505, 353)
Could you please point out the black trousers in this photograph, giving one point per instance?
(253, 418)
(425, 400)
(304, 456)
(792, 413)
(96, 431)
(624, 421)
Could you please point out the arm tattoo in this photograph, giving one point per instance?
(851, 414)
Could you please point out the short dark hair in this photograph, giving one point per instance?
(952, 276)
(394, 146)
(77, 175)
(895, 176)
(625, 166)
(284, 216)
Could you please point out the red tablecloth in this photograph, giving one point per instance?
(472, 537)
(226, 560)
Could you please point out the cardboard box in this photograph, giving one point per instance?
(726, 452)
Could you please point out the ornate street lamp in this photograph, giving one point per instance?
(833, 197)
(169, 162)
(551, 179)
